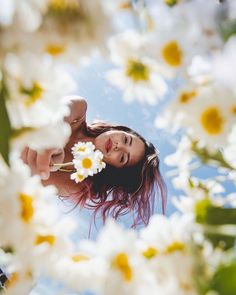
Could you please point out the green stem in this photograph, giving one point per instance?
(63, 164)
(66, 170)
(213, 158)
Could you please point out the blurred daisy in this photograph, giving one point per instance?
(138, 76)
(37, 90)
(71, 23)
(116, 247)
(229, 152)
(205, 112)
(212, 115)
(25, 13)
(223, 65)
(112, 7)
(172, 49)
(164, 243)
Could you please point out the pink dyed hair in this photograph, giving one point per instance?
(117, 191)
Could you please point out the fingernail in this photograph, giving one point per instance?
(44, 175)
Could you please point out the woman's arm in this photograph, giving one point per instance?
(40, 162)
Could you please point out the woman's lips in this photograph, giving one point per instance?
(108, 145)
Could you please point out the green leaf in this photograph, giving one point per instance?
(201, 210)
(227, 29)
(221, 241)
(207, 213)
(224, 279)
(5, 131)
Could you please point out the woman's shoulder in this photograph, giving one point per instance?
(78, 109)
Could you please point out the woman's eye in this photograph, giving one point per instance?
(126, 139)
(122, 159)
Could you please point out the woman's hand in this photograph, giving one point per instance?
(42, 162)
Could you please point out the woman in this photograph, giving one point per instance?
(130, 180)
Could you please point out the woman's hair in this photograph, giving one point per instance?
(118, 191)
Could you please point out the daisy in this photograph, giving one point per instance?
(27, 14)
(165, 244)
(37, 90)
(124, 272)
(138, 75)
(88, 164)
(229, 152)
(72, 22)
(112, 7)
(82, 148)
(205, 113)
(212, 115)
(86, 160)
(223, 65)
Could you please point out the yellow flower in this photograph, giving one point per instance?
(87, 163)
(172, 54)
(50, 239)
(137, 71)
(121, 263)
(212, 120)
(55, 49)
(175, 246)
(27, 209)
(150, 253)
(79, 258)
(185, 96)
(32, 94)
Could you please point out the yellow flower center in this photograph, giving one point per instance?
(185, 97)
(137, 71)
(125, 5)
(121, 263)
(212, 121)
(150, 253)
(175, 246)
(171, 2)
(172, 54)
(81, 149)
(62, 5)
(50, 239)
(233, 110)
(80, 177)
(79, 257)
(33, 94)
(87, 163)
(55, 49)
(12, 280)
(27, 210)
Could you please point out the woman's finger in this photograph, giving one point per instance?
(43, 163)
(24, 155)
(31, 160)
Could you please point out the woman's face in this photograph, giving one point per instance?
(120, 148)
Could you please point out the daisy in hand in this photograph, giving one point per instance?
(86, 160)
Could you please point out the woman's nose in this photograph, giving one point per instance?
(118, 146)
